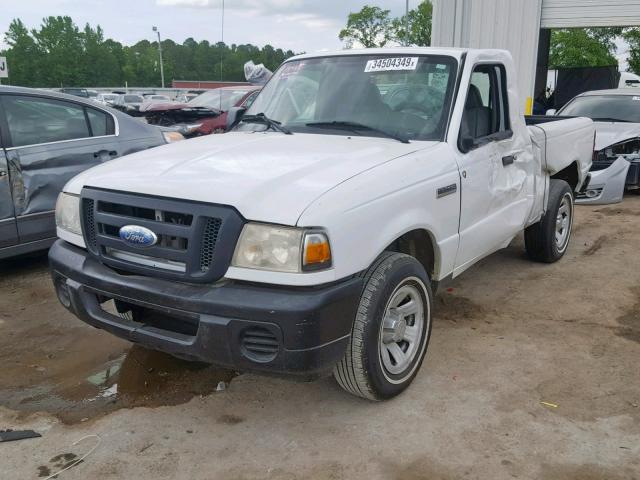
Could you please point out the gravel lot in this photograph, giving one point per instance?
(532, 372)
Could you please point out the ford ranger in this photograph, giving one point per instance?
(310, 239)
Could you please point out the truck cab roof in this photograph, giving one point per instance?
(452, 52)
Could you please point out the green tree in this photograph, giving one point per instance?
(632, 37)
(370, 27)
(61, 43)
(420, 21)
(23, 55)
(583, 47)
(58, 53)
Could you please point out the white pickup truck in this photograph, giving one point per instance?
(310, 239)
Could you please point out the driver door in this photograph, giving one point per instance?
(493, 193)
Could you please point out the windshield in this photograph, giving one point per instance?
(133, 99)
(403, 95)
(218, 99)
(625, 108)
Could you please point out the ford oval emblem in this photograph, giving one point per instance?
(138, 236)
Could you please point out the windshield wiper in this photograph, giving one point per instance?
(609, 119)
(355, 126)
(262, 118)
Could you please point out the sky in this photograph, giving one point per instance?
(298, 25)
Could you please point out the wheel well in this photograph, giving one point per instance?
(570, 175)
(418, 244)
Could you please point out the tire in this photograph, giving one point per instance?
(367, 368)
(547, 241)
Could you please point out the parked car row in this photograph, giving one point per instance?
(46, 138)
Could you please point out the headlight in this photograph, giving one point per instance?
(187, 129)
(282, 249)
(171, 137)
(68, 213)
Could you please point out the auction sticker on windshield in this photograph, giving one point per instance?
(389, 64)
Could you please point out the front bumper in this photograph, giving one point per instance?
(300, 331)
(606, 185)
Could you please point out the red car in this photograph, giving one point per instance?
(205, 114)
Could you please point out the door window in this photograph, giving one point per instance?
(486, 109)
(36, 120)
(101, 123)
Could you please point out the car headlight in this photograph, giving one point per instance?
(187, 128)
(282, 249)
(171, 136)
(68, 213)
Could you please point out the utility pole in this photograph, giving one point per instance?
(406, 21)
(222, 41)
(155, 29)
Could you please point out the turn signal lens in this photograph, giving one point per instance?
(317, 253)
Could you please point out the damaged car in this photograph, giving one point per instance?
(205, 114)
(616, 159)
(128, 102)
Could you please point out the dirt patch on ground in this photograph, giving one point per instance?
(54, 363)
(457, 309)
(586, 472)
(595, 246)
(619, 210)
(630, 320)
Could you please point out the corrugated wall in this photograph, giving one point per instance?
(515, 25)
(590, 13)
(512, 25)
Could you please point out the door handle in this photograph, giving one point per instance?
(103, 153)
(508, 160)
(3, 173)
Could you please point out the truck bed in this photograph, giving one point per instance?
(563, 141)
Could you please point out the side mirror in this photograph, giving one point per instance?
(551, 112)
(234, 115)
(467, 144)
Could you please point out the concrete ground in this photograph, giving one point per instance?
(532, 372)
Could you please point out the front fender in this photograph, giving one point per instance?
(365, 214)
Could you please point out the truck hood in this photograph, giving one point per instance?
(610, 133)
(266, 176)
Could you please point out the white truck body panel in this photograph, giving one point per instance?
(365, 192)
(267, 177)
(567, 141)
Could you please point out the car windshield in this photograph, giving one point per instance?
(218, 99)
(625, 108)
(133, 99)
(407, 96)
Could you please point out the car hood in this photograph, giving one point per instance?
(611, 133)
(266, 176)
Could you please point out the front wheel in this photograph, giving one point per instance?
(391, 330)
(547, 240)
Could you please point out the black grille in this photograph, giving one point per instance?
(89, 224)
(194, 241)
(259, 344)
(209, 240)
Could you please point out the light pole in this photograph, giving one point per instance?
(155, 29)
(406, 19)
(222, 41)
